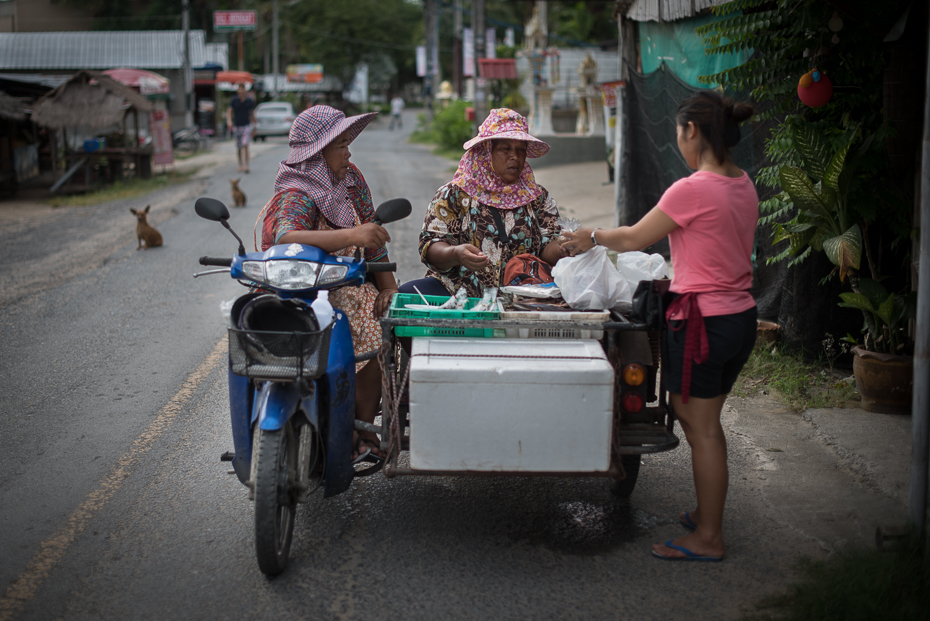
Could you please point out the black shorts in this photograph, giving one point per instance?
(730, 339)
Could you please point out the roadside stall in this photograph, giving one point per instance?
(157, 89)
(19, 155)
(101, 138)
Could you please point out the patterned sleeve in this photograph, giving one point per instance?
(443, 222)
(547, 219)
(296, 212)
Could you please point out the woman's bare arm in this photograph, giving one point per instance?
(654, 226)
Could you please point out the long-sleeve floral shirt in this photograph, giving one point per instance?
(456, 218)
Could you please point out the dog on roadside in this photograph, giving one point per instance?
(148, 236)
(238, 195)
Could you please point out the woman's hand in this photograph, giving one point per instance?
(371, 235)
(383, 302)
(470, 257)
(576, 242)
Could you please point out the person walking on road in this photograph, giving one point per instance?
(397, 106)
(712, 322)
(240, 117)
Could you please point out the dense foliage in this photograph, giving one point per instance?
(790, 37)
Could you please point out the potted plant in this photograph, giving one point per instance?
(825, 220)
(884, 366)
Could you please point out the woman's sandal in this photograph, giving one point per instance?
(367, 457)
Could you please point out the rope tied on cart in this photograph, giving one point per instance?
(391, 397)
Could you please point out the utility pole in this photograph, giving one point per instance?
(457, 48)
(428, 8)
(188, 81)
(274, 50)
(477, 25)
(920, 413)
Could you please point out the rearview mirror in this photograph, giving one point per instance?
(392, 210)
(212, 209)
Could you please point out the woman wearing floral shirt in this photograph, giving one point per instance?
(491, 211)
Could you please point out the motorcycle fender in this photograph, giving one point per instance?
(240, 410)
(337, 395)
(275, 403)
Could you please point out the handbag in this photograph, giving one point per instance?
(526, 269)
(650, 300)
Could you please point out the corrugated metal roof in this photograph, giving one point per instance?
(668, 10)
(216, 54)
(141, 49)
(51, 81)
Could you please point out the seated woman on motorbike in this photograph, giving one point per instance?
(322, 200)
(491, 211)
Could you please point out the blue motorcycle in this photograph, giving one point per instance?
(291, 377)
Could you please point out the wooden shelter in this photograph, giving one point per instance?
(95, 101)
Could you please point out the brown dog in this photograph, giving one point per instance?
(145, 231)
(238, 195)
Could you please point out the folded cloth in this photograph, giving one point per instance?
(696, 347)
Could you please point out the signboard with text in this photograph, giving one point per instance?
(309, 74)
(234, 20)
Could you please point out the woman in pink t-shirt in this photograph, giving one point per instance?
(710, 219)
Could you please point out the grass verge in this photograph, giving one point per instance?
(121, 190)
(428, 138)
(800, 385)
(856, 585)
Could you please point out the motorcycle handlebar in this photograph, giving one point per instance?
(218, 261)
(380, 266)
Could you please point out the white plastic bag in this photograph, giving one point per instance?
(636, 266)
(589, 281)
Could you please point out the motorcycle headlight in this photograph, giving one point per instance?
(287, 274)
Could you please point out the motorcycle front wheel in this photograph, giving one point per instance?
(275, 498)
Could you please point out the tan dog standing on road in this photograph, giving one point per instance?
(238, 195)
(145, 231)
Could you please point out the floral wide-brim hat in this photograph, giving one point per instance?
(504, 124)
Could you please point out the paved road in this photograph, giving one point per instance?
(115, 505)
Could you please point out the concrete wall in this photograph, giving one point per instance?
(570, 150)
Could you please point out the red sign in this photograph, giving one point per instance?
(160, 130)
(234, 20)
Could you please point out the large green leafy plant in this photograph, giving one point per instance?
(824, 220)
(886, 316)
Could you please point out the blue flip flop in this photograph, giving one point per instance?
(687, 522)
(688, 555)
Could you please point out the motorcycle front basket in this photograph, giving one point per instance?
(279, 355)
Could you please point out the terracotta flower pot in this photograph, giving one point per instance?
(884, 381)
(766, 332)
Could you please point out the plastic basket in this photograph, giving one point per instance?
(402, 299)
(279, 355)
(595, 318)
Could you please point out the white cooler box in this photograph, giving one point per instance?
(510, 405)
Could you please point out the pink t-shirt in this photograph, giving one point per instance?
(712, 246)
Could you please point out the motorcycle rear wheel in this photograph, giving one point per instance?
(275, 498)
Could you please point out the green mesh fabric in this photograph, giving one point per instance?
(652, 163)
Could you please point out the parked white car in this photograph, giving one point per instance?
(273, 118)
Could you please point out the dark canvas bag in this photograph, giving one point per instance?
(650, 300)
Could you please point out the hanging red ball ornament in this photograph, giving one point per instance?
(817, 93)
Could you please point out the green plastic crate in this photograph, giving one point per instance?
(401, 299)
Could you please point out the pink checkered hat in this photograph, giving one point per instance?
(504, 123)
(316, 127)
